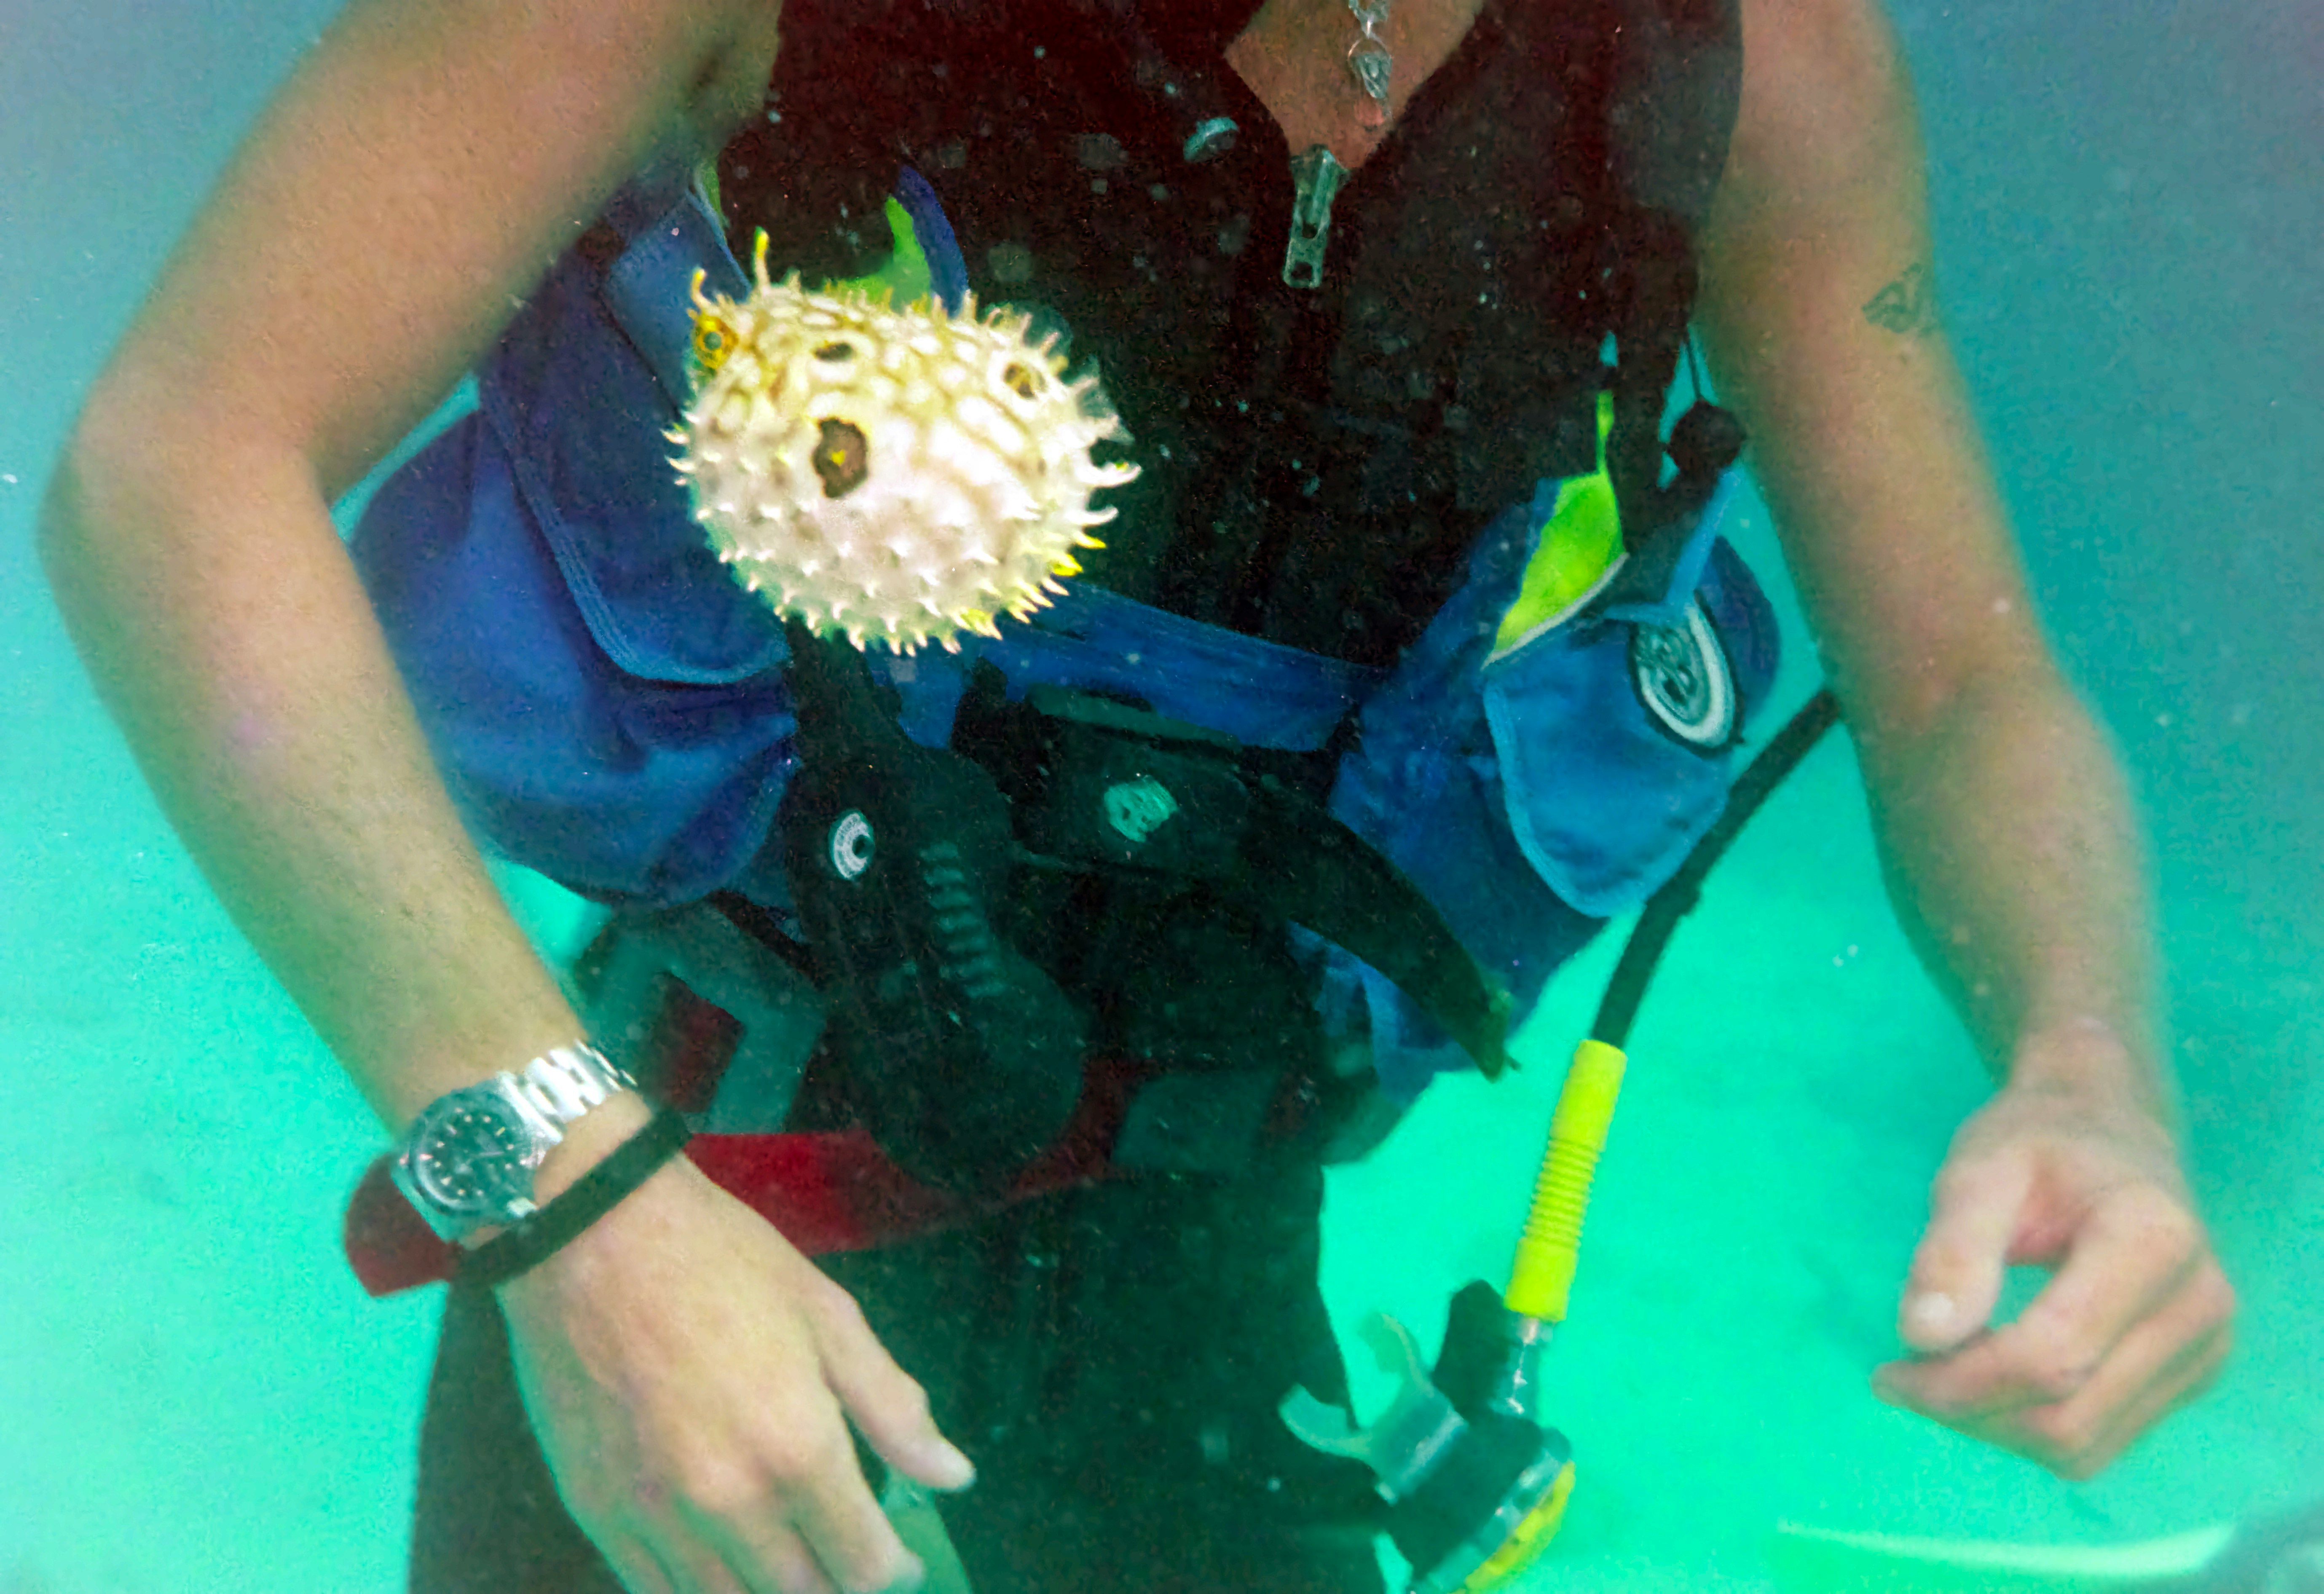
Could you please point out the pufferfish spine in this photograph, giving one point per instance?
(889, 476)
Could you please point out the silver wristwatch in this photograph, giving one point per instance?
(467, 1161)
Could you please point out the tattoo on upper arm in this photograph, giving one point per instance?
(1908, 306)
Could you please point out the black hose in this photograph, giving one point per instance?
(1650, 937)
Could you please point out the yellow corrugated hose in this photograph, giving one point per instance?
(1542, 1280)
(1551, 1246)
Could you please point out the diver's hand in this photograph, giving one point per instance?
(2068, 1173)
(691, 1377)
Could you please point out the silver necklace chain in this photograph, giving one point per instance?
(1368, 59)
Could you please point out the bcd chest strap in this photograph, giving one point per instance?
(1073, 874)
(1098, 785)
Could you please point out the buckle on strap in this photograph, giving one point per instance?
(1101, 785)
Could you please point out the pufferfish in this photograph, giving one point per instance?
(889, 476)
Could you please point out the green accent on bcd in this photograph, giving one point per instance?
(1581, 539)
(906, 277)
(902, 280)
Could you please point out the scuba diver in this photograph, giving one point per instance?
(1412, 657)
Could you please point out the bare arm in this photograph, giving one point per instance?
(689, 1374)
(2006, 835)
(2005, 830)
(407, 188)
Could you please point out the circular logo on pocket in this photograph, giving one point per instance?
(1138, 809)
(1682, 676)
(850, 844)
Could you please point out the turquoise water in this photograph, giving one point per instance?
(194, 1397)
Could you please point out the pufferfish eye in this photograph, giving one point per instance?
(713, 340)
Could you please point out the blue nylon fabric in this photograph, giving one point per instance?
(579, 414)
(1579, 677)
(608, 707)
(667, 248)
(622, 788)
(1531, 796)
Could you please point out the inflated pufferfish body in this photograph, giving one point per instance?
(885, 475)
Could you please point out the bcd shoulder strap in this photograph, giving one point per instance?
(1654, 87)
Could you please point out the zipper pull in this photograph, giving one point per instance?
(1315, 179)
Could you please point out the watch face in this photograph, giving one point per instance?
(470, 1156)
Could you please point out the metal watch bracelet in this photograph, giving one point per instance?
(468, 1160)
(566, 1082)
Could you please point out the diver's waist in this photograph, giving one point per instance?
(835, 1190)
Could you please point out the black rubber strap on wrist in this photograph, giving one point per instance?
(595, 1194)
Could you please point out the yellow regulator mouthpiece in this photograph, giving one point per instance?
(889, 476)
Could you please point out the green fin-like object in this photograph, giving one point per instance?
(1825, 1560)
(2277, 1552)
